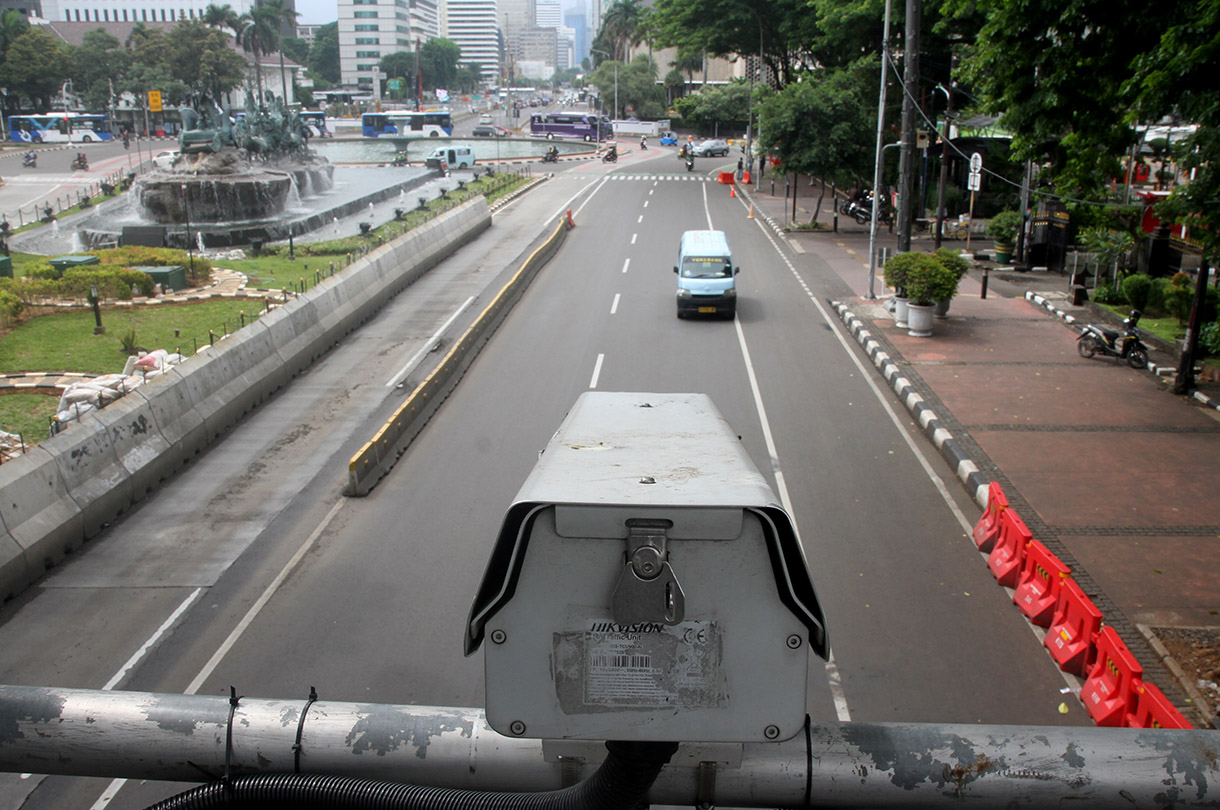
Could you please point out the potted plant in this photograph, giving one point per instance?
(895, 272)
(928, 280)
(1003, 229)
(959, 265)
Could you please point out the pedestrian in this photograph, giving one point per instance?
(740, 166)
(762, 161)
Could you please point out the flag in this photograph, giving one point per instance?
(442, 95)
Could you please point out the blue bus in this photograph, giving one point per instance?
(316, 121)
(585, 126)
(406, 124)
(59, 128)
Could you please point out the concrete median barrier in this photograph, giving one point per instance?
(68, 488)
(138, 443)
(38, 513)
(92, 473)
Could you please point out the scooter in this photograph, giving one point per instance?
(30, 160)
(610, 157)
(860, 208)
(550, 157)
(400, 159)
(80, 162)
(690, 163)
(1127, 346)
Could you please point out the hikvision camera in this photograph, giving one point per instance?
(645, 585)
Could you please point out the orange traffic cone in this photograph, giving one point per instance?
(751, 214)
(732, 191)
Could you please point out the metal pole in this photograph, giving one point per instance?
(944, 160)
(906, 171)
(139, 735)
(872, 229)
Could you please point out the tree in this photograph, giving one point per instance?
(717, 110)
(96, 62)
(469, 77)
(438, 61)
(35, 66)
(260, 35)
(324, 53)
(199, 57)
(400, 65)
(822, 124)
(222, 16)
(621, 26)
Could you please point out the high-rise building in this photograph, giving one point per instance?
(575, 19)
(372, 29)
(472, 24)
(547, 14)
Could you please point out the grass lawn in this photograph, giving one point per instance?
(28, 415)
(1165, 327)
(65, 341)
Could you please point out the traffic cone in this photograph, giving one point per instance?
(751, 214)
(732, 191)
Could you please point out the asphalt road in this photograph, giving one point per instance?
(249, 569)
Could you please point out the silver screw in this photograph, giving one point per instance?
(794, 641)
(518, 728)
(771, 732)
(498, 636)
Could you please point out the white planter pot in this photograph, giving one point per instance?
(920, 319)
(900, 312)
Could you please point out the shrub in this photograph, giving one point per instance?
(929, 281)
(1137, 290)
(1106, 294)
(42, 272)
(1209, 338)
(128, 342)
(897, 267)
(1003, 227)
(953, 260)
(1179, 296)
(10, 307)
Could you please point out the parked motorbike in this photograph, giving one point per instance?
(80, 162)
(860, 208)
(1127, 346)
(30, 160)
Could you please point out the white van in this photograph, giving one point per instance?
(707, 277)
(450, 157)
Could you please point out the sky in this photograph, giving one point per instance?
(317, 12)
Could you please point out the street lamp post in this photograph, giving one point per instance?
(186, 215)
(872, 231)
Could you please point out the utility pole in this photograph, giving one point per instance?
(906, 163)
(944, 157)
(870, 293)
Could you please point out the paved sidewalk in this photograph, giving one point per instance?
(1108, 468)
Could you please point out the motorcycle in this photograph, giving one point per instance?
(610, 157)
(400, 159)
(80, 162)
(1127, 346)
(550, 157)
(30, 160)
(690, 163)
(860, 208)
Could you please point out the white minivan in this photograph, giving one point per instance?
(450, 157)
(707, 282)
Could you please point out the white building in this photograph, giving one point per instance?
(472, 24)
(133, 10)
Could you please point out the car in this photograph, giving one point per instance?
(489, 132)
(711, 148)
(485, 118)
(165, 159)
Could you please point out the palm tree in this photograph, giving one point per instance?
(222, 17)
(260, 35)
(621, 26)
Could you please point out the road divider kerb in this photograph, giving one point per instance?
(377, 457)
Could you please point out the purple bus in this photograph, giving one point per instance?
(586, 126)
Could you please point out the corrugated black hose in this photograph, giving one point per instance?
(621, 783)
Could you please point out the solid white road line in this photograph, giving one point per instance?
(428, 346)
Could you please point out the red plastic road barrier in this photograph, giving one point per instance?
(1109, 692)
(745, 178)
(571, 224)
(1042, 575)
(1009, 550)
(724, 177)
(987, 530)
(1073, 630)
(1154, 710)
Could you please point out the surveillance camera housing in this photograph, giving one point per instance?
(645, 585)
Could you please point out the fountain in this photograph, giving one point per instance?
(236, 181)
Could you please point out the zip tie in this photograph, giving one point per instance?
(296, 746)
(227, 780)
